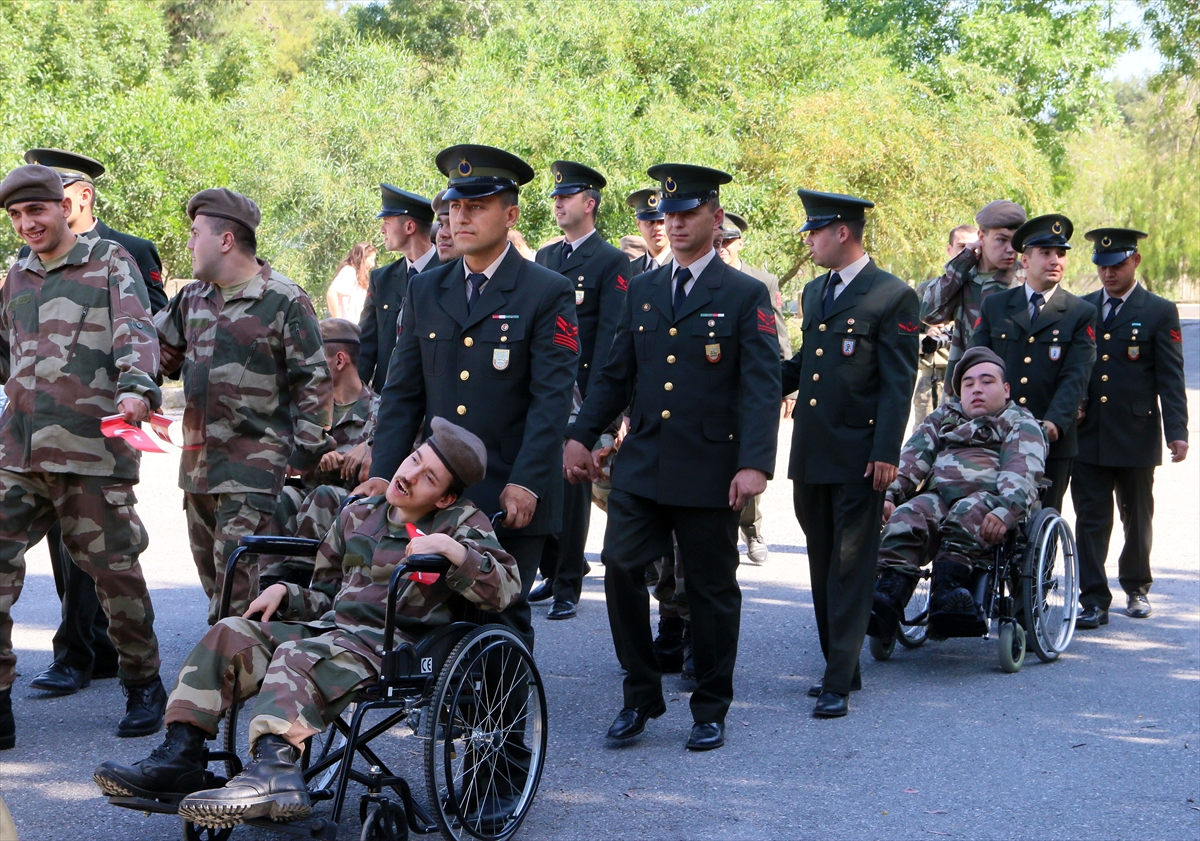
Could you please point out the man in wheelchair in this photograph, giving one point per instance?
(967, 476)
(312, 648)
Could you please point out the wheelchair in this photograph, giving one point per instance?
(471, 695)
(1030, 589)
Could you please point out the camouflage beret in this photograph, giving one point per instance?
(225, 204)
(1001, 213)
(31, 183)
(973, 357)
(461, 451)
(339, 330)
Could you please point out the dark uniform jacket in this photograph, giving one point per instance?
(772, 284)
(704, 388)
(506, 372)
(377, 324)
(1047, 365)
(855, 372)
(1139, 363)
(599, 273)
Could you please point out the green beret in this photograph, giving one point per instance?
(225, 204)
(460, 450)
(31, 183)
(970, 359)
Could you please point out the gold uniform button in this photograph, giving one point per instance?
(468, 341)
(462, 410)
(1028, 360)
(385, 306)
(1004, 335)
(731, 436)
(849, 329)
(1107, 336)
(1103, 399)
(812, 402)
(710, 335)
(670, 360)
(645, 307)
(641, 328)
(433, 335)
(464, 375)
(816, 378)
(504, 338)
(820, 351)
(1022, 401)
(1031, 340)
(1024, 380)
(673, 331)
(822, 328)
(1105, 357)
(1104, 378)
(668, 386)
(871, 422)
(666, 414)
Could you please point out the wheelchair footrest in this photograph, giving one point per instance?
(954, 625)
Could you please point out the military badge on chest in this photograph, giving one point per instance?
(712, 352)
(848, 346)
(1055, 353)
(1134, 351)
(500, 358)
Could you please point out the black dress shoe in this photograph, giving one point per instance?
(61, 679)
(831, 705)
(1091, 617)
(1138, 606)
(542, 591)
(817, 688)
(562, 609)
(632, 720)
(706, 735)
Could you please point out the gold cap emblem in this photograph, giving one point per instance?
(464, 167)
(1056, 227)
(670, 184)
(1106, 242)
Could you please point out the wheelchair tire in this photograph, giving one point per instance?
(380, 824)
(194, 832)
(880, 650)
(486, 720)
(1011, 647)
(913, 636)
(1049, 584)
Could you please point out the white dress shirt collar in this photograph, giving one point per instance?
(697, 268)
(424, 259)
(848, 274)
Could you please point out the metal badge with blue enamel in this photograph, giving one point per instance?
(1055, 353)
(848, 346)
(500, 358)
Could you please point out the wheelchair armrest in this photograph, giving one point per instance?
(266, 544)
(414, 563)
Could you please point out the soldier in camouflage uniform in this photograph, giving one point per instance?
(315, 647)
(981, 269)
(76, 345)
(968, 474)
(310, 508)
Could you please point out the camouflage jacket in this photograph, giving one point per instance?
(998, 459)
(74, 342)
(357, 558)
(256, 384)
(354, 427)
(958, 296)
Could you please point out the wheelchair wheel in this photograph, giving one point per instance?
(485, 736)
(881, 650)
(1011, 647)
(1050, 585)
(192, 832)
(382, 823)
(912, 636)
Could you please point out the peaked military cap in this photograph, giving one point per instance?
(645, 204)
(477, 171)
(1113, 245)
(225, 204)
(1053, 230)
(32, 182)
(685, 186)
(738, 221)
(397, 202)
(1001, 213)
(571, 178)
(339, 331)
(70, 166)
(460, 450)
(826, 208)
(729, 229)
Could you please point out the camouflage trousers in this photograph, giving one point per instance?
(925, 529)
(216, 522)
(302, 513)
(104, 536)
(303, 673)
(668, 589)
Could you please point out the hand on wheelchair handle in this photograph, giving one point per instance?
(992, 529)
(441, 546)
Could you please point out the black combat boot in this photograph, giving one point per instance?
(8, 727)
(952, 608)
(145, 704)
(892, 591)
(668, 645)
(174, 767)
(272, 786)
(688, 672)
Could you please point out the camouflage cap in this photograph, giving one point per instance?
(1001, 213)
(225, 204)
(31, 183)
(461, 451)
(339, 331)
(973, 357)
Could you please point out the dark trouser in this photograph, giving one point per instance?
(841, 525)
(527, 552)
(81, 640)
(1058, 471)
(639, 533)
(1092, 490)
(562, 557)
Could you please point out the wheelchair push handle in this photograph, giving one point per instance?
(413, 563)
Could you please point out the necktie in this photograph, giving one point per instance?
(566, 252)
(412, 272)
(830, 285)
(475, 280)
(681, 278)
(1035, 306)
(1114, 304)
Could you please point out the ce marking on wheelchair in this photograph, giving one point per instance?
(426, 665)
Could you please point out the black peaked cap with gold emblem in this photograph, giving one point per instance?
(397, 202)
(823, 209)
(645, 204)
(684, 186)
(69, 166)
(1053, 230)
(1113, 245)
(476, 171)
(571, 178)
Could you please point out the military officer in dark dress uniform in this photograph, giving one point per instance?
(855, 373)
(490, 340)
(407, 220)
(599, 274)
(651, 224)
(1047, 339)
(1139, 367)
(82, 650)
(696, 353)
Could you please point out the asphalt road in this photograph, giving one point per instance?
(1103, 743)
